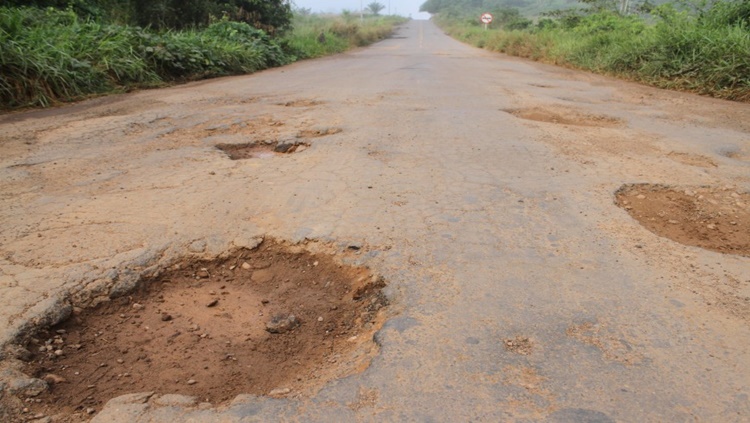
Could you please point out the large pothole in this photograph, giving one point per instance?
(275, 321)
(713, 218)
(564, 116)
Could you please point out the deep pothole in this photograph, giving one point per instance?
(714, 218)
(261, 150)
(564, 117)
(275, 321)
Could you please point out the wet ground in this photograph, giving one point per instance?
(487, 191)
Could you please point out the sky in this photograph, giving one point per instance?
(398, 7)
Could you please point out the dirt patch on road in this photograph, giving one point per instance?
(614, 347)
(565, 117)
(716, 219)
(273, 321)
(260, 150)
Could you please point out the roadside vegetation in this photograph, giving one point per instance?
(320, 35)
(700, 46)
(55, 51)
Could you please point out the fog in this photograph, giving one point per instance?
(409, 8)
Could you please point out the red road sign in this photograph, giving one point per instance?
(486, 18)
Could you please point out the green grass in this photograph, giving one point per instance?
(50, 56)
(340, 33)
(707, 53)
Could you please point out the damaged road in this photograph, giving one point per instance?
(500, 199)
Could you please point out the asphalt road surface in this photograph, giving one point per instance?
(480, 186)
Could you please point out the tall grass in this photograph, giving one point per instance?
(707, 52)
(48, 55)
(316, 36)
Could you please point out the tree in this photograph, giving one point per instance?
(375, 8)
(272, 16)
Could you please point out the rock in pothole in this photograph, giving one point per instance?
(713, 218)
(307, 320)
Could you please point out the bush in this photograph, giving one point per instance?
(704, 50)
(49, 55)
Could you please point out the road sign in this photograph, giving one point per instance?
(486, 18)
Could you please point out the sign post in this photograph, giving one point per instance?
(486, 19)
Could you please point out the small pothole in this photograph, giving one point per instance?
(318, 132)
(734, 153)
(519, 345)
(301, 103)
(713, 218)
(255, 150)
(275, 321)
(692, 159)
(564, 117)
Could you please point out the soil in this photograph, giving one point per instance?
(716, 219)
(203, 329)
(260, 150)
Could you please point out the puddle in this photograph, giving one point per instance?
(275, 321)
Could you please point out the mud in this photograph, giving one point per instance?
(204, 329)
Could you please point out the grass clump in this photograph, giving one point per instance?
(316, 36)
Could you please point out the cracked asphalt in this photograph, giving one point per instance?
(490, 225)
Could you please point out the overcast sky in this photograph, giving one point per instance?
(400, 7)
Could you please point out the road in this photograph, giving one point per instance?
(489, 227)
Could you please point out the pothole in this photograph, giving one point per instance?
(254, 150)
(519, 345)
(275, 321)
(301, 103)
(318, 132)
(564, 117)
(692, 159)
(734, 153)
(713, 218)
